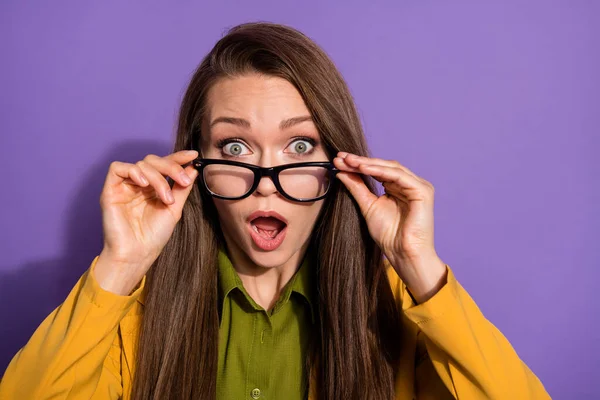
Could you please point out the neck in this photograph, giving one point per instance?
(264, 284)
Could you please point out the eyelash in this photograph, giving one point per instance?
(224, 142)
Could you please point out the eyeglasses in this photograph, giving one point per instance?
(233, 180)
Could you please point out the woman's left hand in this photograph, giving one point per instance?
(400, 221)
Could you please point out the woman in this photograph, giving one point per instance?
(260, 282)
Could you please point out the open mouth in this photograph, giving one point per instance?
(267, 229)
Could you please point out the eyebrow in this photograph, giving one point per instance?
(288, 123)
(285, 124)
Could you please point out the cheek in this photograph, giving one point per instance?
(228, 213)
(305, 218)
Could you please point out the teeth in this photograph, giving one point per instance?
(268, 233)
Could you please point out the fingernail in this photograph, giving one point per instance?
(191, 153)
(170, 197)
(144, 180)
(185, 178)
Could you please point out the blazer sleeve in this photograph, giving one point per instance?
(75, 352)
(470, 355)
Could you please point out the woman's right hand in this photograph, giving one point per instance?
(139, 214)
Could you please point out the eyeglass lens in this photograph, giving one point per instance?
(233, 181)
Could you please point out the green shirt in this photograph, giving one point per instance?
(262, 354)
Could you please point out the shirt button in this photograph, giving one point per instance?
(255, 393)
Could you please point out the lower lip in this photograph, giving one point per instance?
(267, 244)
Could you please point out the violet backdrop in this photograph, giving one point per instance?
(497, 105)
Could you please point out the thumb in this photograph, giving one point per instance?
(181, 193)
(357, 188)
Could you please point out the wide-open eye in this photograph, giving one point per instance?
(234, 148)
(301, 146)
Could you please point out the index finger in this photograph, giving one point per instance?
(355, 160)
(183, 156)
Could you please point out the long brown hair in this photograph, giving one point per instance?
(355, 345)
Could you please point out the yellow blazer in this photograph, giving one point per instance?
(84, 349)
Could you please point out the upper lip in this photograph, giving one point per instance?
(266, 213)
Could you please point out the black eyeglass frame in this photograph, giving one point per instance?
(260, 172)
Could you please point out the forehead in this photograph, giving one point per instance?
(260, 99)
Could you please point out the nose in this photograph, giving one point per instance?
(266, 186)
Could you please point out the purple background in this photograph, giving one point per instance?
(496, 104)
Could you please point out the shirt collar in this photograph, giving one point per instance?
(301, 283)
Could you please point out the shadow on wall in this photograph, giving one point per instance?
(29, 293)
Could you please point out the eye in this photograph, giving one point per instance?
(233, 148)
(302, 146)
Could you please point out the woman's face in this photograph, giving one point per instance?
(262, 120)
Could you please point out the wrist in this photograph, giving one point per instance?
(116, 276)
(423, 276)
